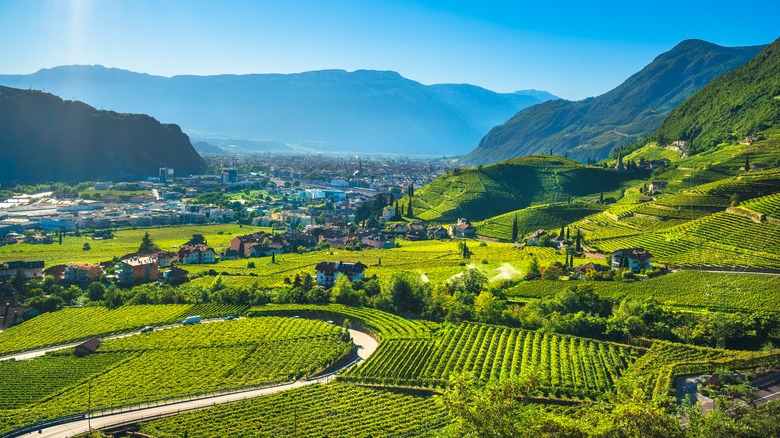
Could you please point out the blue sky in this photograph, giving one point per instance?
(572, 49)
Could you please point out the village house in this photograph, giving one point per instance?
(10, 306)
(138, 269)
(463, 230)
(378, 240)
(229, 254)
(634, 258)
(437, 232)
(387, 213)
(31, 270)
(196, 254)
(328, 272)
(656, 186)
(164, 258)
(560, 242)
(82, 273)
(175, 276)
(583, 269)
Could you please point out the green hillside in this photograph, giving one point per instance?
(548, 216)
(67, 140)
(484, 192)
(743, 101)
(593, 127)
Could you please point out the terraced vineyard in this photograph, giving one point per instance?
(719, 239)
(549, 216)
(67, 325)
(333, 410)
(382, 324)
(693, 289)
(768, 205)
(569, 366)
(178, 361)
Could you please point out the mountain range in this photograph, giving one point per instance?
(592, 128)
(741, 102)
(329, 110)
(44, 138)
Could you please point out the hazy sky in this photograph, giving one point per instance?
(573, 49)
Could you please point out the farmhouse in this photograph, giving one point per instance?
(437, 232)
(634, 258)
(327, 272)
(656, 186)
(533, 239)
(560, 242)
(463, 229)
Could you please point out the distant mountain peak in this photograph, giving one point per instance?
(369, 111)
(593, 127)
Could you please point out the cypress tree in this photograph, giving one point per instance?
(396, 209)
(514, 230)
(409, 212)
(563, 231)
(601, 197)
(567, 234)
(411, 191)
(747, 163)
(273, 257)
(578, 247)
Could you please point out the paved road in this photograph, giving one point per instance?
(366, 345)
(768, 389)
(42, 351)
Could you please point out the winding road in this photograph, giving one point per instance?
(365, 344)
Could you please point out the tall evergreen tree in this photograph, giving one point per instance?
(409, 212)
(411, 191)
(147, 245)
(397, 213)
(601, 197)
(578, 247)
(567, 234)
(563, 231)
(747, 163)
(514, 230)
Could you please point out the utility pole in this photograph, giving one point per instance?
(89, 406)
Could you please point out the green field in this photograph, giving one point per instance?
(171, 362)
(433, 260)
(124, 242)
(333, 410)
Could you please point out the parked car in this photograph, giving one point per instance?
(147, 329)
(230, 318)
